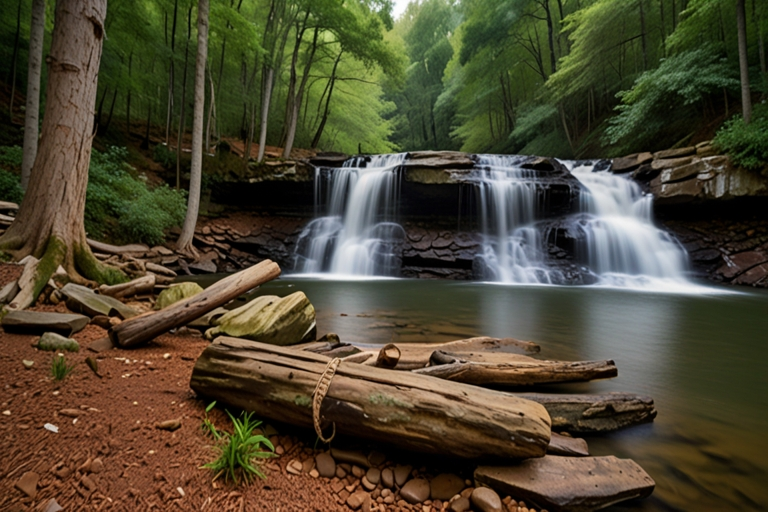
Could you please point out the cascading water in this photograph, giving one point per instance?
(358, 234)
(619, 245)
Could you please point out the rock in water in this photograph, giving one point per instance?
(52, 341)
(37, 322)
(270, 319)
(177, 292)
(577, 484)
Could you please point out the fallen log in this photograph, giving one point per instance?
(595, 413)
(417, 355)
(412, 411)
(145, 284)
(573, 484)
(143, 328)
(116, 249)
(513, 369)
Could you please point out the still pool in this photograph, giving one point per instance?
(703, 357)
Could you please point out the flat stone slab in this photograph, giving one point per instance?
(38, 322)
(84, 300)
(567, 446)
(574, 484)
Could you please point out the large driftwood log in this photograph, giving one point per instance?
(143, 328)
(513, 369)
(595, 413)
(417, 355)
(413, 411)
(144, 284)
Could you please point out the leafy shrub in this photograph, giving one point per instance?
(122, 206)
(238, 450)
(658, 95)
(10, 163)
(747, 145)
(164, 156)
(10, 157)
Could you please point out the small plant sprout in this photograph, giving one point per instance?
(59, 368)
(208, 427)
(238, 451)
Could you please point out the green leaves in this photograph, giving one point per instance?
(60, 369)
(747, 145)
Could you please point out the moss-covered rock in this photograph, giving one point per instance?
(270, 319)
(53, 342)
(177, 292)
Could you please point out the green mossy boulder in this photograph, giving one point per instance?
(177, 292)
(55, 342)
(270, 319)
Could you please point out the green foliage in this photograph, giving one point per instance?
(164, 156)
(683, 80)
(10, 157)
(10, 184)
(60, 369)
(747, 145)
(119, 205)
(208, 427)
(237, 452)
(532, 121)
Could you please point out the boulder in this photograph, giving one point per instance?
(674, 153)
(270, 319)
(177, 292)
(683, 172)
(81, 299)
(575, 484)
(38, 322)
(54, 342)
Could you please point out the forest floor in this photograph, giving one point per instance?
(108, 453)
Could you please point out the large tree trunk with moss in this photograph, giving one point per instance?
(49, 225)
(195, 178)
(413, 411)
(32, 112)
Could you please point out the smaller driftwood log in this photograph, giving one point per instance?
(144, 327)
(409, 410)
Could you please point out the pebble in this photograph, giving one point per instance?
(166, 356)
(326, 466)
(356, 499)
(88, 483)
(180, 491)
(51, 506)
(28, 483)
(314, 473)
(97, 466)
(401, 474)
(415, 491)
(446, 485)
(486, 500)
(358, 471)
(169, 425)
(341, 472)
(27, 363)
(388, 478)
(308, 465)
(6, 413)
(367, 484)
(459, 505)
(374, 476)
(70, 413)
(294, 467)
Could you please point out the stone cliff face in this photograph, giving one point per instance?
(700, 198)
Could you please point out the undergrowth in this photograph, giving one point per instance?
(238, 453)
(747, 145)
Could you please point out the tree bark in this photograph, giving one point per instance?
(171, 74)
(746, 99)
(49, 225)
(324, 119)
(14, 61)
(266, 98)
(412, 411)
(182, 113)
(196, 172)
(32, 115)
(144, 327)
(294, 115)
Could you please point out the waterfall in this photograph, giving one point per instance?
(357, 233)
(617, 242)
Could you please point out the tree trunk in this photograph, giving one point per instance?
(103, 128)
(32, 115)
(294, 116)
(14, 61)
(324, 119)
(182, 113)
(643, 35)
(196, 172)
(550, 37)
(211, 112)
(171, 75)
(143, 328)
(128, 98)
(746, 99)
(49, 224)
(412, 411)
(267, 96)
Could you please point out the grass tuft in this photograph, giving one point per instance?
(60, 369)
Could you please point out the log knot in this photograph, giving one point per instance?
(319, 393)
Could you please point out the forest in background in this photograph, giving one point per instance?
(565, 78)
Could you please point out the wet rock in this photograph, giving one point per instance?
(38, 322)
(270, 319)
(446, 485)
(388, 478)
(56, 342)
(415, 491)
(28, 483)
(350, 456)
(485, 500)
(401, 474)
(176, 293)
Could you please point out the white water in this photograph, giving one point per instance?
(358, 234)
(621, 246)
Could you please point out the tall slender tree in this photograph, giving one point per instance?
(32, 114)
(193, 206)
(49, 225)
(741, 24)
